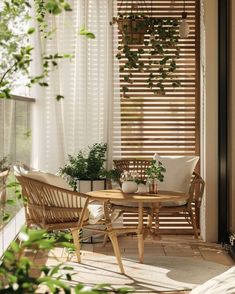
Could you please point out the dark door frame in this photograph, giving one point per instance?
(223, 211)
(225, 236)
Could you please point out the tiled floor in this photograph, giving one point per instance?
(180, 246)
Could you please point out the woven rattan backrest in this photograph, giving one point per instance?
(47, 204)
(196, 190)
(137, 165)
(41, 193)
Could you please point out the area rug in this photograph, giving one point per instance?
(157, 274)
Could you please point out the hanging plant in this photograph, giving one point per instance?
(161, 50)
(133, 28)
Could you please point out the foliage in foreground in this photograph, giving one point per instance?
(16, 269)
(16, 52)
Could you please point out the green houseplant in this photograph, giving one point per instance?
(88, 164)
(159, 38)
(155, 172)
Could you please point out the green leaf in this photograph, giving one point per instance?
(43, 84)
(125, 290)
(85, 32)
(11, 202)
(15, 246)
(9, 255)
(67, 7)
(69, 268)
(59, 97)
(31, 31)
(6, 217)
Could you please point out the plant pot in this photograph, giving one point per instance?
(129, 187)
(132, 30)
(152, 183)
(84, 186)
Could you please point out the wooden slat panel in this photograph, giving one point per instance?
(145, 122)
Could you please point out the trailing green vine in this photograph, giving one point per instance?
(161, 43)
(15, 48)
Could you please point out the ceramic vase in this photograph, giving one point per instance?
(129, 187)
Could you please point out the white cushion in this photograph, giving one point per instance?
(175, 203)
(22, 169)
(42, 176)
(178, 173)
(49, 178)
(221, 284)
(96, 213)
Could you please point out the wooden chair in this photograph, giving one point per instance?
(53, 208)
(190, 210)
(139, 166)
(3, 178)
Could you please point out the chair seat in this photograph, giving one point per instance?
(174, 203)
(129, 204)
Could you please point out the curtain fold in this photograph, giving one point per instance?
(81, 118)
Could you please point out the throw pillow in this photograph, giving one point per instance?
(178, 173)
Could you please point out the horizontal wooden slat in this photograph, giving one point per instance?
(146, 122)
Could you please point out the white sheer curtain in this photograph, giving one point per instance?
(82, 117)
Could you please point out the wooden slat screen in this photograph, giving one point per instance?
(167, 124)
(145, 123)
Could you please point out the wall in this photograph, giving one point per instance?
(209, 108)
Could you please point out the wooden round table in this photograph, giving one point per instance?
(155, 200)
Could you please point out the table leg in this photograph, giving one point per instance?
(113, 237)
(156, 208)
(140, 233)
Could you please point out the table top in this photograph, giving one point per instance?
(118, 195)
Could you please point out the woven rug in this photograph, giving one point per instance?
(157, 274)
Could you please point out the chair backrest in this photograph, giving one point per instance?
(137, 165)
(48, 204)
(3, 178)
(196, 190)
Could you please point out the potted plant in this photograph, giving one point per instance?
(4, 172)
(85, 171)
(155, 172)
(133, 27)
(162, 42)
